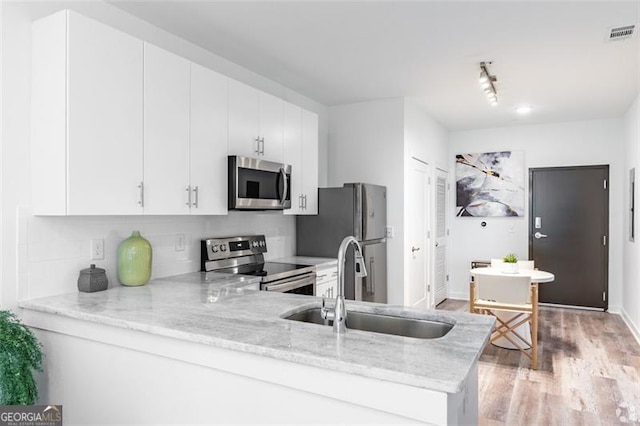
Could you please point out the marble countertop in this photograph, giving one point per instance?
(321, 262)
(218, 311)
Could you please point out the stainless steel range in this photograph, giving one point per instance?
(245, 256)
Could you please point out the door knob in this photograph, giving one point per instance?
(413, 249)
(538, 235)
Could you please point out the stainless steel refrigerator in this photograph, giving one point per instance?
(357, 209)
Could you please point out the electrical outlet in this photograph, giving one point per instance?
(179, 242)
(388, 232)
(97, 249)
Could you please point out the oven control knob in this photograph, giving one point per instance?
(262, 243)
(255, 244)
(223, 247)
(214, 248)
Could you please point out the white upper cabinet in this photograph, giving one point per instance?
(301, 151)
(255, 123)
(310, 161)
(243, 120)
(293, 155)
(86, 142)
(166, 132)
(270, 122)
(122, 127)
(208, 180)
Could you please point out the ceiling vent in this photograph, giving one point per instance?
(621, 33)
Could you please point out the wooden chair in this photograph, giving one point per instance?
(495, 294)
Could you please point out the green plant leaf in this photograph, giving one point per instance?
(20, 355)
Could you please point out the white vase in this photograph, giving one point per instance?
(510, 268)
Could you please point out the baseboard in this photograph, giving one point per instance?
(459, 296)
(632, 327)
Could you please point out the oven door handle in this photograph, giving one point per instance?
(290, 285)
(284, 184)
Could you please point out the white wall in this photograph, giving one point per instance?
(426, 140)
(631, 258)
(372, 142)
(42, 256)
(563, 144)
(366, 145)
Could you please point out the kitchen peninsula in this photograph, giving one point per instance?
(207, 348)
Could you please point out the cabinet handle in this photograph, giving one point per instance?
(188, 196)
(300, 202)
(371, 279)
(257, 150)
(286, 185)
(141, 194)
(261, 146)
(304, 201)
(195, 196)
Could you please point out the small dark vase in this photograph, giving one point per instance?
(93, 279)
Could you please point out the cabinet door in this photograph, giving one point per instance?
(166, 132)
(270, 122)
(243, 119)
(104, 116)
(310, 162)
(208, 141)
(293, 154)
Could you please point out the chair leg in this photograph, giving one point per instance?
(472, 297)
(534, 326)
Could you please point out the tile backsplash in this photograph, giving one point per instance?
(53, 250)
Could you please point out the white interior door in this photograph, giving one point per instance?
(417, 287)
(441, 229)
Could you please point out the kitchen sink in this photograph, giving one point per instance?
(386, 324)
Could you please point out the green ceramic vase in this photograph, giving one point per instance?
(134, 260)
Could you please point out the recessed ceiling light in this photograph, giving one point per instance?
(524, 109)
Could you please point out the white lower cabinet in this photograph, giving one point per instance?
(327, 282)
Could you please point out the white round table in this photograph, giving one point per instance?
(536, 275)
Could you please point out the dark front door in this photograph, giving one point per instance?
(569, 232)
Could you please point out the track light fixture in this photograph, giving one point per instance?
(486, 82)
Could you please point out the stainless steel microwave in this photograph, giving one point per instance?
(256, 184)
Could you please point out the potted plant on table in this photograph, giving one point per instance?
(510, 264)
(20, 354)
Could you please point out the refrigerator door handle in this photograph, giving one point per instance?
(371, 279)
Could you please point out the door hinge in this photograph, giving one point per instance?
(447, 277)
(604, 240)
(447, 232)
(604, 296)
(605, 184)
(428, 288)
(428, 235)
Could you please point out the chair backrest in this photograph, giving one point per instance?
(504, 288)
(496, 263)
(527, 265)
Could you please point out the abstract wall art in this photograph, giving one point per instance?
(490, 184)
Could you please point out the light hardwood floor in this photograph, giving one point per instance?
(588, 373)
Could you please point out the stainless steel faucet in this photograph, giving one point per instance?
(339, 313)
